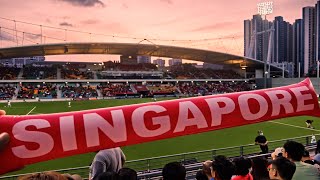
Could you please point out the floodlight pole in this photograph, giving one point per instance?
(264, 9)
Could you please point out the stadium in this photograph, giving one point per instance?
(45, 87)
(169, 117)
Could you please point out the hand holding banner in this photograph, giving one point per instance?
(39, 138)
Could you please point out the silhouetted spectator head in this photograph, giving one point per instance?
(293, 150)
(201, 175)
(282, 168)
(127, 174)
(318, 147)
(259, 168)
(108, 176)
(174, 171)
(222, 168)
(49, 175)
(242, 166)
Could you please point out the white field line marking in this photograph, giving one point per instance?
(294, 126)
(31, 110)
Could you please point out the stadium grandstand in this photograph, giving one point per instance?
(183, 80)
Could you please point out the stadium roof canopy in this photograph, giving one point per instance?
(134, 49)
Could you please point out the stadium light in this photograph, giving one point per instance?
(265, 8)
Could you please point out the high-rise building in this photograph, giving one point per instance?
(173, 62)
(278, 51)
(258, 45)
(259, 49)
(317, 24)
(309, 38)
(144, 59)
(289, 43)
(265, 40)
(247, 37)
(159, 62)
(283, 38)
(298, 47)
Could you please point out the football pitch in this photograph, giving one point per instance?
(273, 130)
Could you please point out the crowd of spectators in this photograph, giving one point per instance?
(43, 90)
(128, 76)
(159, 89)
(209, 88)
(188, 71)
(115, 66)
(7, 92)
(75, 73)
(120, 89)
(9, 73)
(286, 165)
(32, 91)
(31, 72)
(78, 91)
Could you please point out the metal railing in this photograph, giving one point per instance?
(152, 166)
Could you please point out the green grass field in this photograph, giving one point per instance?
(209, 140)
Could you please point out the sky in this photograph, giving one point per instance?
(166, 22)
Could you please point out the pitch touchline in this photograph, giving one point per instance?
(31, 110)
(294, 126)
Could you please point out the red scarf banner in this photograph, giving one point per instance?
(36, 138)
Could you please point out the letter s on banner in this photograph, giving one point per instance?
(42, 137)
(44, 140)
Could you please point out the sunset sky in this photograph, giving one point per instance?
(170, 20)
